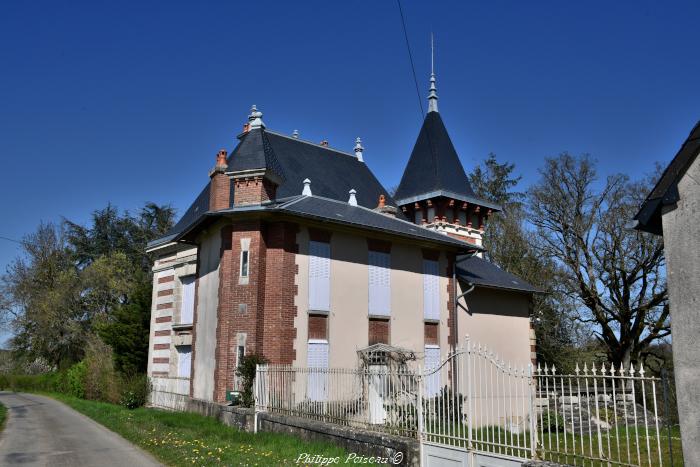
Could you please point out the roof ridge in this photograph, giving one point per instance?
(328, 148)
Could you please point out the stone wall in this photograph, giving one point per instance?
(353, 440)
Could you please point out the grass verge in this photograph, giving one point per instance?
(186, 439)
(3, 416)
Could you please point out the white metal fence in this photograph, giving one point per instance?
(169, 392)
(475, 401)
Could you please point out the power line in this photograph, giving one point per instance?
(11, 240)
(410, 57)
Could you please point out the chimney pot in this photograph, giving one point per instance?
(307, 187)
(295, 134)
(352, 201)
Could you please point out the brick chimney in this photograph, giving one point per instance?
(384, 209)
(220, 186)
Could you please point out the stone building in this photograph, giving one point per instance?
(672, 209)
(295, 251)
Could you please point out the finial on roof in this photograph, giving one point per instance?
(359, 149)
(255, 118)
(295, 134)
(432, 95)
(307, 188)
(352, 201)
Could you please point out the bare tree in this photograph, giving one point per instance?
(616, 275)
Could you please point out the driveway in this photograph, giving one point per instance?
(43, 432)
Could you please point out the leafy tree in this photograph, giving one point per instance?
(511, 246)
(127, 329)
(73, 281)
(614, 275)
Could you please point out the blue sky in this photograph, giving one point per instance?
(127, 102)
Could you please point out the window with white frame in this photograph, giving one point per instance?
(379, 283)
(317, 364)
(431, 290)
(245, 256)
(432, 361)
(184, 360)
(319, 276)
(187, 303)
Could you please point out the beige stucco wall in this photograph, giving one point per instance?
(681, 228)
(348, 319)
(498, 320)
(207, 303)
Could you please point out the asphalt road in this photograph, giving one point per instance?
(44, 432)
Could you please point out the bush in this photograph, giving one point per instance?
(101, 381)
(135, 391)
(551, 422)
(75, 380)
(246, 371)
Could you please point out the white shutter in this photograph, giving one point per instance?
(187, 305)
(379, 284)
(184, 360)
(319, 276)
(432, 360)
(431, 290)
(317, 362)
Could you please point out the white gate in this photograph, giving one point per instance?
(481, 416)
(474, 409)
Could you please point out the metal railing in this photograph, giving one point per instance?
(374, 399)
(169, 392)
(477, 402)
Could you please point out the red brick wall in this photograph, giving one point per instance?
(253, 190)
(378, 331)
(219, 192)
(269, 295)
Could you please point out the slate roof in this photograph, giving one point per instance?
(337, 212)
(665, 192)
(434, 168)
(333, 173)
(480, 272)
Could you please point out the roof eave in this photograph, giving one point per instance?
(449, 194)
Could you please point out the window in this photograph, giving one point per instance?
(184, 360)
(432, 361)
(240, 353)
(319, 276)
(379, 283)
(187, 304)
(317, 362)
(244, 263)
(431, 295)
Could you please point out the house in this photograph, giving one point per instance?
(295, 251)
(672, 209)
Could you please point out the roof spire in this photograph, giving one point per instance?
(432, 96)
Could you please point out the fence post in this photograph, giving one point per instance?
(667, 409)
(419, 414)
(469, 394)
(533, 416)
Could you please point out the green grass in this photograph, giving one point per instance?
(3, 416)
(487, 439)
(186, 439)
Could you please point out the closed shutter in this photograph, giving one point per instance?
(317, 363)
(184, 360)
(432, 360)
(319, 276)
(187, 306)
(431, 295)
(379, 284)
